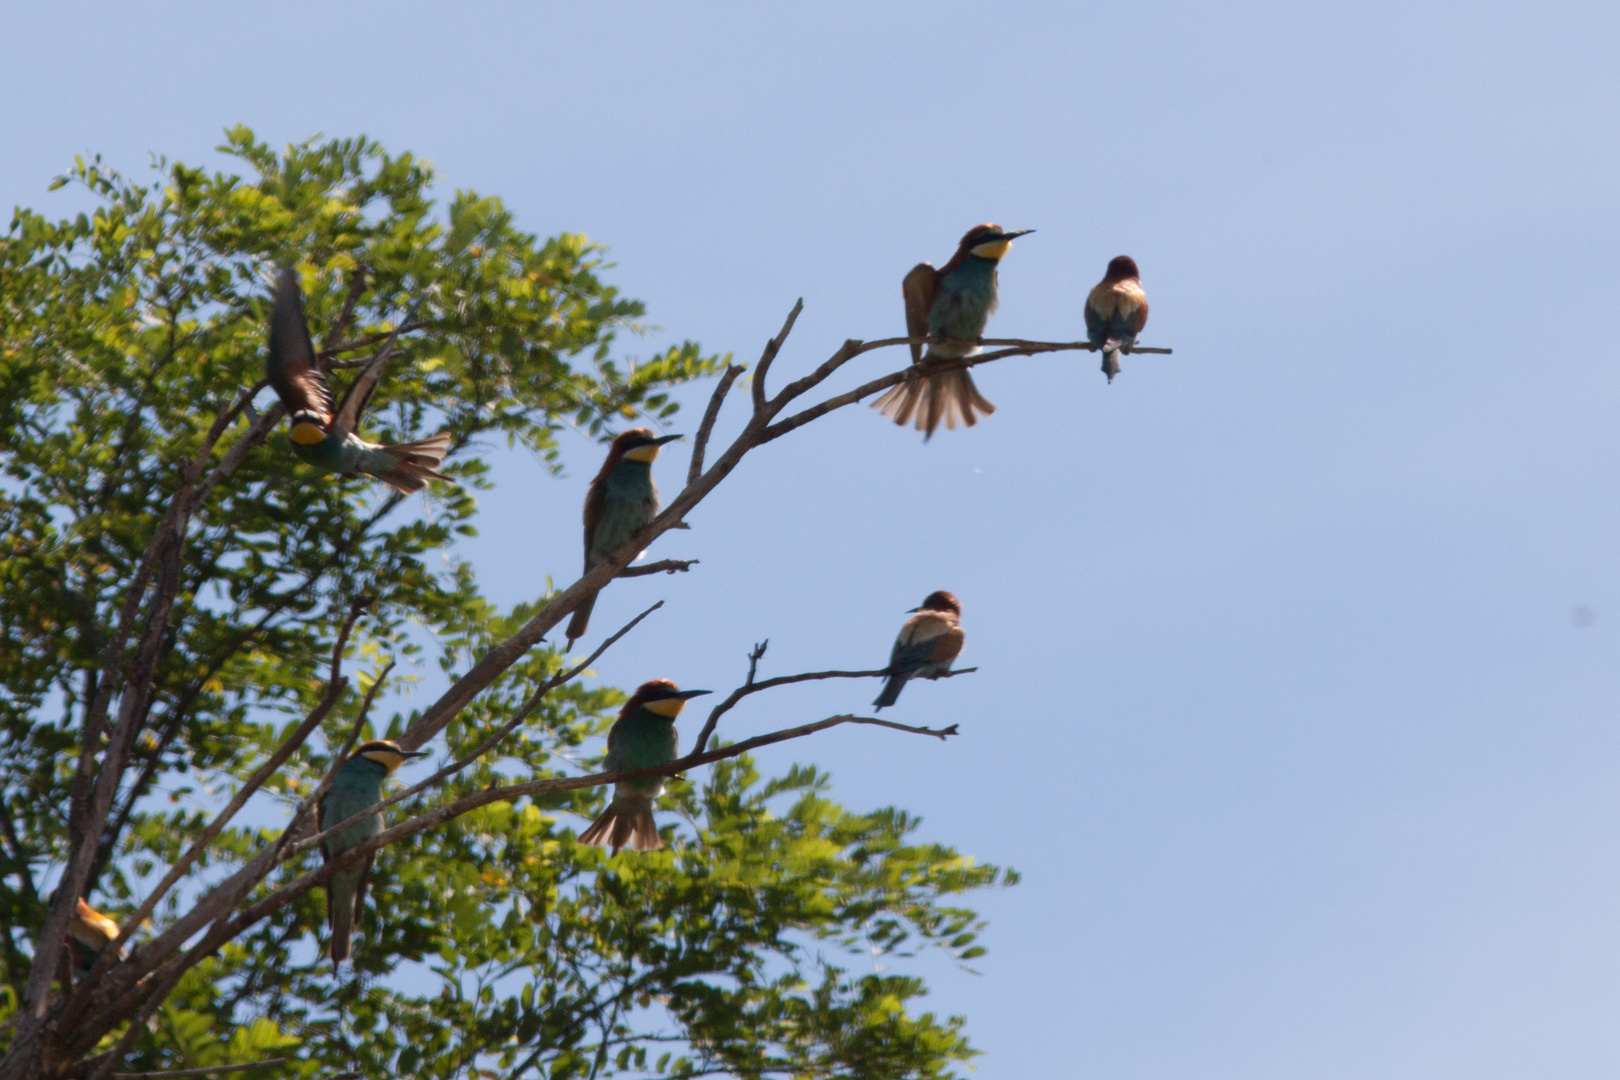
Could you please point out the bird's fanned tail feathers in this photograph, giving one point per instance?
(581, 621)
(927, 399)
(625, 823)
(415, 463)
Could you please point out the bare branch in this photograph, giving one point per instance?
(357, 289)
(662, 566)
(772, 347)
(752, 687)
(370, 340)
(701, 442)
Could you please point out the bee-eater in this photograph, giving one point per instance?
(927, 644)
(357, 785)
(89, 934)
(326, 438)
(642, 737)
(1116, 311)
(621, 501)
(955, 301)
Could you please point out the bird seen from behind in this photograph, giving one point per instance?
(321, 435)
(643, 737)
(622, 500)
(357, 786)
(956, 302)
(1116, 311)
(89, 934)
(927, 644)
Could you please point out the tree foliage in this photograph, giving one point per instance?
(493, 942)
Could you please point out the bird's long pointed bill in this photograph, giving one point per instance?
(687, 695)
(668, 439)
(1016, 234)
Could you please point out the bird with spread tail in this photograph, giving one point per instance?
(621, 501)
(927, 644)
(643, 737)
(89, 934)
(321, 435)
(356, 787)
(1116, 311)
(956, 302)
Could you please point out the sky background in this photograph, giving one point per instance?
(1297, 704)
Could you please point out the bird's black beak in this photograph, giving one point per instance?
(415, 753)
(1015, 234)
(666, 438)
(912, 610)
(687, 695)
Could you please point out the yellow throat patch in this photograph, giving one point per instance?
(307, 434)
(388, 759)
(670, 707)
(645, 454)
(995, 249)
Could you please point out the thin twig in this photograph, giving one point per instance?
(701, 442)
(772, 347)
(369, 340)
(208, 1070)
(752, 687)
(662, 566)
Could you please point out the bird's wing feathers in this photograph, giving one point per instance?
(595, 504)
(290, 366)
(1141, 316)
(358, 395)
(923, 636)
(918, 288)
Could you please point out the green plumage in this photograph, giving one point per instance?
(358, 785)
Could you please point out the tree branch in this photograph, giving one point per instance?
(700, 443)
(662, 566)
(772, 347)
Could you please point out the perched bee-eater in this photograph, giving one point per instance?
(357, 785)
(1116, 311)
(642, 737)
(955, 301)
(927, 644)
(621, 501)
(89, 934)
(326, 438)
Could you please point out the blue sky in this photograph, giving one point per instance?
(1284, 710)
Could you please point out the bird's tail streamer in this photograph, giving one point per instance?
(581, 621)
(891, 692)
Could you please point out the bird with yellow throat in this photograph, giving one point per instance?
(622, 500)
(643, 737)
(322, 435)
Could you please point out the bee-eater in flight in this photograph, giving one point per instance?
(89, 934)
(643, 737)
(955, 301)
(322, 436)
(1116, 311)
(358, 785)
(927, 644)
(621, 501)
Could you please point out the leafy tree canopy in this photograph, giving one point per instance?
(494, 945)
